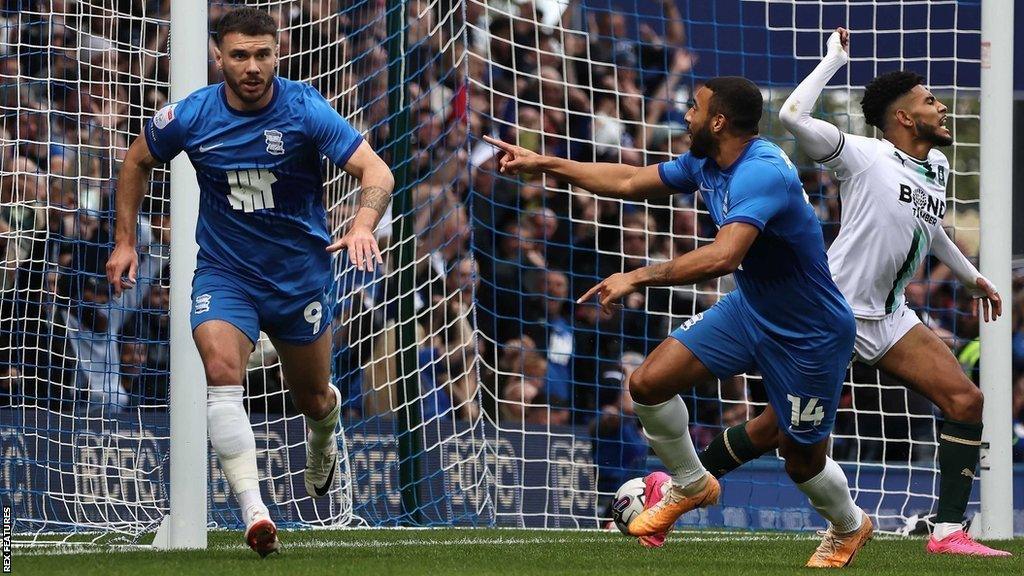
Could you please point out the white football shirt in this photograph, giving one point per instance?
(892, 206)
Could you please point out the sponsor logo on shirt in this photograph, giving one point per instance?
(927, 207)
(205, 148)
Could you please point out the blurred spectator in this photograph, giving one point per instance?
(134, 371)
(549, 323)
(93, 327)
(823, 191)
(521, 401)
(618, 445)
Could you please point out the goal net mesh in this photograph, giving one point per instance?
(476, 392)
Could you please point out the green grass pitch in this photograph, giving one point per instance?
(452, 552)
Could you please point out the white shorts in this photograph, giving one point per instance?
(875, 336)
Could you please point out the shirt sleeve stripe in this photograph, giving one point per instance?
(839, 150)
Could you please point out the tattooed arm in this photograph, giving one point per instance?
(376, 184)
(719, 258)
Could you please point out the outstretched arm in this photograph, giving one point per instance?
(601, 178)
(947, 252)
(820, 139)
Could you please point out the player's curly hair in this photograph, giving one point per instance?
(248, 21)
(881, 92)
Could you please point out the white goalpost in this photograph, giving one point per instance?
(185, 524)
(996, 255)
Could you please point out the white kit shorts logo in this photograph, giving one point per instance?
(202, 303)
(275, 142)
(164, 116)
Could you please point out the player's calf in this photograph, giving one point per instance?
(741, 443)
(802, 466)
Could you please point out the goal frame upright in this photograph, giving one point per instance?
(185, 524)
(996, 183)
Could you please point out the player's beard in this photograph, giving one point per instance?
(930, 134)
(702, 143)
(236, 87)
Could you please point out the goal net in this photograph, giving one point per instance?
(607, 80)
(476, 393)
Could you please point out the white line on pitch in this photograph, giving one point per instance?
(324, 544)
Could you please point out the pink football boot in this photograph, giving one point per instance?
(959, 543)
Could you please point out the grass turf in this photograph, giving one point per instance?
(451, 552)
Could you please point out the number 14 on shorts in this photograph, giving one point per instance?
(805, 411)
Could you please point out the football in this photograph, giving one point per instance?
(629, 502)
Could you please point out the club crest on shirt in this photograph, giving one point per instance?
(164, 116)
(275, 142)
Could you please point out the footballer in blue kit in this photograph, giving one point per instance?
(787, 319)
(257, 143)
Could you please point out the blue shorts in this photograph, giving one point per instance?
(803, 386)
(294, 318)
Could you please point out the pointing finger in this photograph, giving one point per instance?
(499, 143)
(590, 293)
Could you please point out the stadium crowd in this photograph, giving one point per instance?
(590, 88)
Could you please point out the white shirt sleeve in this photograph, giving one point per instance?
(823, 141)
(949, 254)
(819, 139)
(853, 155)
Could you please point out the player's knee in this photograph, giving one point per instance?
(802, 466)
(800, 471)
(646, 390)
(315, 404)
(223, 371)
(964, 405)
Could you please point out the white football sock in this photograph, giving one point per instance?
(232, 439)
(321, 432)
(829, 493)
(666, 427)
(943, 529)
(250, 502)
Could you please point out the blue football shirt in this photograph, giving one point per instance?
(784, 277)
(261, 207)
